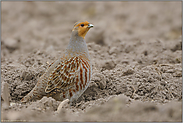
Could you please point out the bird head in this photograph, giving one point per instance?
(81, 28)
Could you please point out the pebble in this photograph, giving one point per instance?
(11, 44)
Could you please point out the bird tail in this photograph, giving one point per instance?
(32, 96)
(37, 92)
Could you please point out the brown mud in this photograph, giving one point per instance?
(136, 52)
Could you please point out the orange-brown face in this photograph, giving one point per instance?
(82, 28)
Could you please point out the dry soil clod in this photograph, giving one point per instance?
(61, 105)
(6, 94)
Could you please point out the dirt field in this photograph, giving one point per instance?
(136, 52)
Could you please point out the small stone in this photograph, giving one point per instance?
(27, 75)
(128, 72)
(108, 64)
(100, 80)
(11, 44)
(177, 46)
(113, 50)
(12, 104)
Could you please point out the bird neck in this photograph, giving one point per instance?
(77, 46)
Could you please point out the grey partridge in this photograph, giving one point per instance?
(69, 76)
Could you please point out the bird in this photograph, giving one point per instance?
(70, 75)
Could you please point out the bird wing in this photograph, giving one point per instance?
(64, 75)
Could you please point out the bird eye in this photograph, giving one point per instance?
(82, 25)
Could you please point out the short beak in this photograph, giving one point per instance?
(90, 25)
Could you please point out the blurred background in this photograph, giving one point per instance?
(42, 24)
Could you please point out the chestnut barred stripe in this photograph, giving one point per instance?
(85, 71)
(70, 76)
(81, 75)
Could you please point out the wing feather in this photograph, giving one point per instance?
(64, 75)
